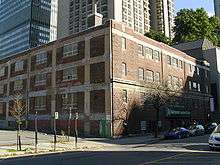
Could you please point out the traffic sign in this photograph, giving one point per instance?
(56, 115)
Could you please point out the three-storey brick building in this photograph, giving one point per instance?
(94, 71)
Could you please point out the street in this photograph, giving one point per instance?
(191, 151)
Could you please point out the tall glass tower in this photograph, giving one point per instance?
(25, 24)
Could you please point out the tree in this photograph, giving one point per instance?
(215, 36)
(122, 112)
(160, 95)
(192, 25)
(158, 37)
(18, 111)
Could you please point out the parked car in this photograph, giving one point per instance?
(177, 133)
(196, 130)
(214, 139)
(209, 128)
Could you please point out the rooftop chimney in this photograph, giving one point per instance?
(94, 19)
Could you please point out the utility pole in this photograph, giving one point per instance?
(36, 132)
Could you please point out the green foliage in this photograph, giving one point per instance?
(158, 37)
(191, 25)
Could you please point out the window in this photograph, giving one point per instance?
(207, 89)
(181, 82)
(1, 89)
(69, 100)
(1, 108)
(193, 69)
(157, 77)
(168, 60)
(123, 43)
(140, 49)
(124, 96)
(124, 69)
(169, 79)
(2, 71)
(70, 74)
(149, 76)
(190, 85)
(194, 85)
(206, 73)
(19, 66)
(18, 84)
(141, 74)
(142, 96)
(175, 80)
(41, 58)
(199, 87)
(70, 49)
(175, 62)
(156, 55)
(181, 64)
(148, 52)
(190, 68)
(40, 103)
(197, 70)
(40, 79)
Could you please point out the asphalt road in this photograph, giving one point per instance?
(119, 158)
(191, 151)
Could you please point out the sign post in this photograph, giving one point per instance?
(56, 116)
(69, 123)
(36, 132)
(76, 128)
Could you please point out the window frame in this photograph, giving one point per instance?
(41, 57)
(141, 74)
(18, 86)
(42, 100)
(19, 65)
(73, 51)
(74, 74)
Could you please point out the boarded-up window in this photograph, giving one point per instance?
(97, 72)
(97, 101)
(97, 46)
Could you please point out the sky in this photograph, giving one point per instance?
(206, 4)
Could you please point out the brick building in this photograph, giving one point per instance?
(94, 71)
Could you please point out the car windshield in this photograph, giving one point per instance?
(217, 129)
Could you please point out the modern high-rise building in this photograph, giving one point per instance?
(141, 15)
(217, 7)
(162, 16)
(73, 14)
(26, 23)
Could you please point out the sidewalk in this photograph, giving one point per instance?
(149, 139)
(84, 144)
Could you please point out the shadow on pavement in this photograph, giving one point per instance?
(118, 158)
